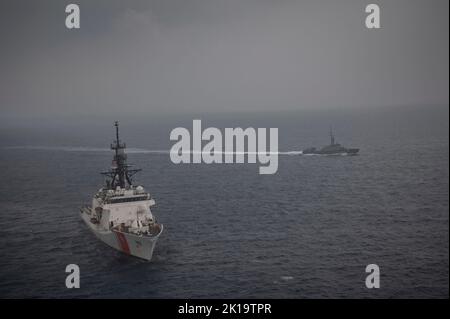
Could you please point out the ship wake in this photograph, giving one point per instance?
(153, 151)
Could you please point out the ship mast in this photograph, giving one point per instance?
(119, 173)
(331, 136)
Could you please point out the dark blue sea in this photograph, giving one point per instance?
(307, 231)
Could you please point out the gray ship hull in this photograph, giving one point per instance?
(329, 151)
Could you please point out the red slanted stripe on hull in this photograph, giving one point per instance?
(123, 243)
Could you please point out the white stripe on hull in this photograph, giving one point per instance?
(130, 244)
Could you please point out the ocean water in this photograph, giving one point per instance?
(306, 232)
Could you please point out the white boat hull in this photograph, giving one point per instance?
(131, 244)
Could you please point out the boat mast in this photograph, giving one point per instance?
(116, 124)
(331, 136)
(119, 173)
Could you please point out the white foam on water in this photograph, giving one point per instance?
(337, 154)
(149, 151)
(286, 278)
(291, 153)
(136, 150)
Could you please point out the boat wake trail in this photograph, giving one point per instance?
(130, 150)
(149, 151)
(291, 153)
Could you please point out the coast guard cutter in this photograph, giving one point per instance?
(120, 214)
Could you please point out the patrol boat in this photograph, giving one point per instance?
(332, 149)
(120, 214)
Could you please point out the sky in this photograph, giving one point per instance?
(168, 56)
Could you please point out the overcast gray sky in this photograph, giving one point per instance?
(218, 55)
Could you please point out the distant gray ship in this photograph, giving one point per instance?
(332, 149)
